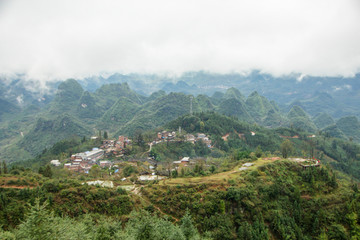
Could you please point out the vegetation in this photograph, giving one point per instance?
(117, 109)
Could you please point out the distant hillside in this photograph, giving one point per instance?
(235, 107)
(323, 120)
(299, 119)
(123, 111)
(47, 132)
(334, 131)
(234, 93)
(350, 126)
(319, 102)
(7, 107)
(263, 111)
(66, 98)
(158, 112)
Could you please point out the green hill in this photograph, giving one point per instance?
(67, 97)
(299, 119)
(47, 132)
(109, 93)
(119, 114)
(205, 103)
(88, 107)
(233, 93)
(334, 131)
(217, 97)
(235, 107)
(262, 111)
(158, 112)
(155, 95)
(323, 120)
(350, 126)
(320, 102)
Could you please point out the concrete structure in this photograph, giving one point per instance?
(93, 155)
(105, 163)
(55, 163)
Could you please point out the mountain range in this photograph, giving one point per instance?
(118, 109)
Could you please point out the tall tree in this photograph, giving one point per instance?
(4, 168)
(47, 171)
(187, 226)
(286, 148)
(105, 135)
(139, 138)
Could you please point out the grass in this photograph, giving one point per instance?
(218, 177)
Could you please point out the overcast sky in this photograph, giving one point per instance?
(60, 39)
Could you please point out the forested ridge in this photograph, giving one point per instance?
(117, 109)
(275, 198)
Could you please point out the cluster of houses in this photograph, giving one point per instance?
(199, 137)
(166, 136)
(82, 162)
(116, 146)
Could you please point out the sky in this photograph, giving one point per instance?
(51, 40)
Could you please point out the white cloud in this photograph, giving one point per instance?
(49, 40)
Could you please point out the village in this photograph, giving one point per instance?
(111, 155)
(99, 157)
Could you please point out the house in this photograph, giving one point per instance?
(190, 138)
(185, 160)
(201, 135)
(108, 144)
(122, 142)
(105, 163)
(72, 167)
(204, 138)
(93, 155)
(165, 135)
(55, 163)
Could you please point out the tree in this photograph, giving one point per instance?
(47, 171)
(38, 223)
(286, 148)
(100, 135)
(174, 173)
(105, 135)
(41, 170)
(139, 138)
(4, 168)
(187, 226)
(258, 152)
(95, 171)
(202, 126)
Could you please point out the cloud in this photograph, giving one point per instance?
(49, 40)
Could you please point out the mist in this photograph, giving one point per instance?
(53, 40)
